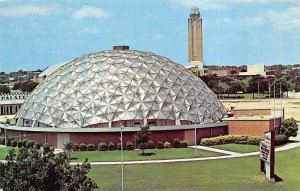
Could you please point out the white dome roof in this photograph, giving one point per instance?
(113, 85)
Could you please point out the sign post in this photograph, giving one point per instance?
(267, 156)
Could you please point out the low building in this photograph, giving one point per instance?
(254, 70)
(253, 121)
(10, 103)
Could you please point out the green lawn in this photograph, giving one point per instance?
(213, 175)
(79, 156)
(240, 148)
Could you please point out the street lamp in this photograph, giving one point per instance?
(122, 160)
(195, 138)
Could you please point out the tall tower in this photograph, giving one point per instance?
(195, 39)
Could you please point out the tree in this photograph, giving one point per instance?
(31, 170)
(289, 127)
(4, 89)
(235, 87)
(142, 137)
(68, 148)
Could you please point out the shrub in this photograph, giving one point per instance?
(75, 147)
(20, 144)
(111, 146)
(29, 144)
(46, 145)
(289, 127)
(102, 146)
(14, 143)
(254, 140)
(176, 143)
(237, 139)
(143, 146)
(167, 145)
(281, 139)
(119, 146)
(8, 141)
(82, 147)
(129, 145)
(151, 145)
(184, 144)
(24, 142)
(2, 141)
(159, 145)
(90, 147)
(37, 145)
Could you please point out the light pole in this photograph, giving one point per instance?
(5, 139)
(195, 139)
(122, 160)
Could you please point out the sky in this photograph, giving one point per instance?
(37, 34)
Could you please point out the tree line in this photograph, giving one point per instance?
(226, 85)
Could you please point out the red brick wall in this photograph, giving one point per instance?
(251, 127)
(96, 138)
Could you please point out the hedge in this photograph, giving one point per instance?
(102, 146)
(237, 139)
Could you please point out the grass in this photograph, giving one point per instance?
(214, 175)
(155, 154)
(239, 148)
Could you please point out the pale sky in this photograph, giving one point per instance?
(38, 34)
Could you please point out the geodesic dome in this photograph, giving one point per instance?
(119, 85)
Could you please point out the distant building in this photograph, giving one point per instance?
(254, 70)
(224, 71)
(10, 103)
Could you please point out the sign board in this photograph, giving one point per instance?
(12, 97)
(265, 150)
(267, 155)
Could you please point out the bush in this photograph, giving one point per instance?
(82, 147)
(29, 144)
(237, 139)
(24, 142)
(8, 140)
(90, 147)
(37, 145)
(143, 146)
(129, 145)
(75, 147)
(2, 141)
(151, 145)
(254, 140)
(102, 146)
(14, 143)
(159, 145)
(119, 146)
(111, 146)
(46, 145)
(20, 144)
(176, 143)
(289, 127)
(167, 145)
(184, 144)
(281, 139)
